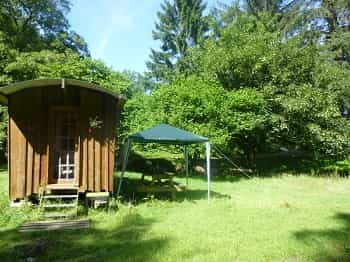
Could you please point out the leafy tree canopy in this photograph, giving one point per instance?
(180, 25)
(250, 89)
(33, 25)
(48, 64)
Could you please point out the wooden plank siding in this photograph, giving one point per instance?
(44, 138)
(104, 145)
(18, 150)
(98, 142)
(29, 130)
(111, 143)
(9, 152)
(37, 101)
(84, 161)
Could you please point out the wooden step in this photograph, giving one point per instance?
(59, 205)
(59, 196)
(62, 187)
(54, 225)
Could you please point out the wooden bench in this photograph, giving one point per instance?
(160, 177)
(163, 187)
(97, 198)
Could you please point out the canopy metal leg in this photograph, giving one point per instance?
(186, 163)
(124, 164)
(207, 151)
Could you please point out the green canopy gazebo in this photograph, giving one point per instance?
(168, 135)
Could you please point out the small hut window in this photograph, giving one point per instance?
(65, 145)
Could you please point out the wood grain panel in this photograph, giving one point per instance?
(90, 112)
(9, 151)
(97, 158)
(18, 150)
(111, 143)
(98, 140)
(104, 147)
(29, 133)
(44, 138)
(91, 162)
(29, 168)
(83, 173)
(36, 123)
(83, 162)
(12, 158)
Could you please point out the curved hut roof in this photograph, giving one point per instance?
(8, 90)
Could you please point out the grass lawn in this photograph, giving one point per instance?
(284, 218)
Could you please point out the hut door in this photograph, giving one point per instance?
(64, 147)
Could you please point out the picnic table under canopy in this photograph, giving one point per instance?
(168, 135)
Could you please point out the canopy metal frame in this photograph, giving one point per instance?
(186, 143)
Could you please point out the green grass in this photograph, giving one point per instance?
(280, 218)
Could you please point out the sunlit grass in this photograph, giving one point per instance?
(282, 218)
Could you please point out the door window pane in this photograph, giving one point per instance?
(65, 146)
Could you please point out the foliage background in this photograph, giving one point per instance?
(253, 76)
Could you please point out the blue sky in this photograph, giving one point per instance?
(119, 32)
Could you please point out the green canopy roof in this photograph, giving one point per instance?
(165, 134)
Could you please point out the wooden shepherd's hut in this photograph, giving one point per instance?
(60, 132)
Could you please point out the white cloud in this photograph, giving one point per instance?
(101, 47)
(119, 20)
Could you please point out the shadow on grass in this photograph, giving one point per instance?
(124, 241)
(3, 168)
(337, 240)
(270, 165)
(219, 168)
(215, 178)
(130, 192)
(192, 195)
(267, 165)
(275, 164)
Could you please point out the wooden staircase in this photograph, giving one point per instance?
(59, 201)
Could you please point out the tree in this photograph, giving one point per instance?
(234, 120)
(274, 14)
(312, 121)
(181, 25)
(273, 7)
(302, 90)
(324, 16)
(326, 22)
(141, 83)
(49, 64)
(247, 54)
(28, 25)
